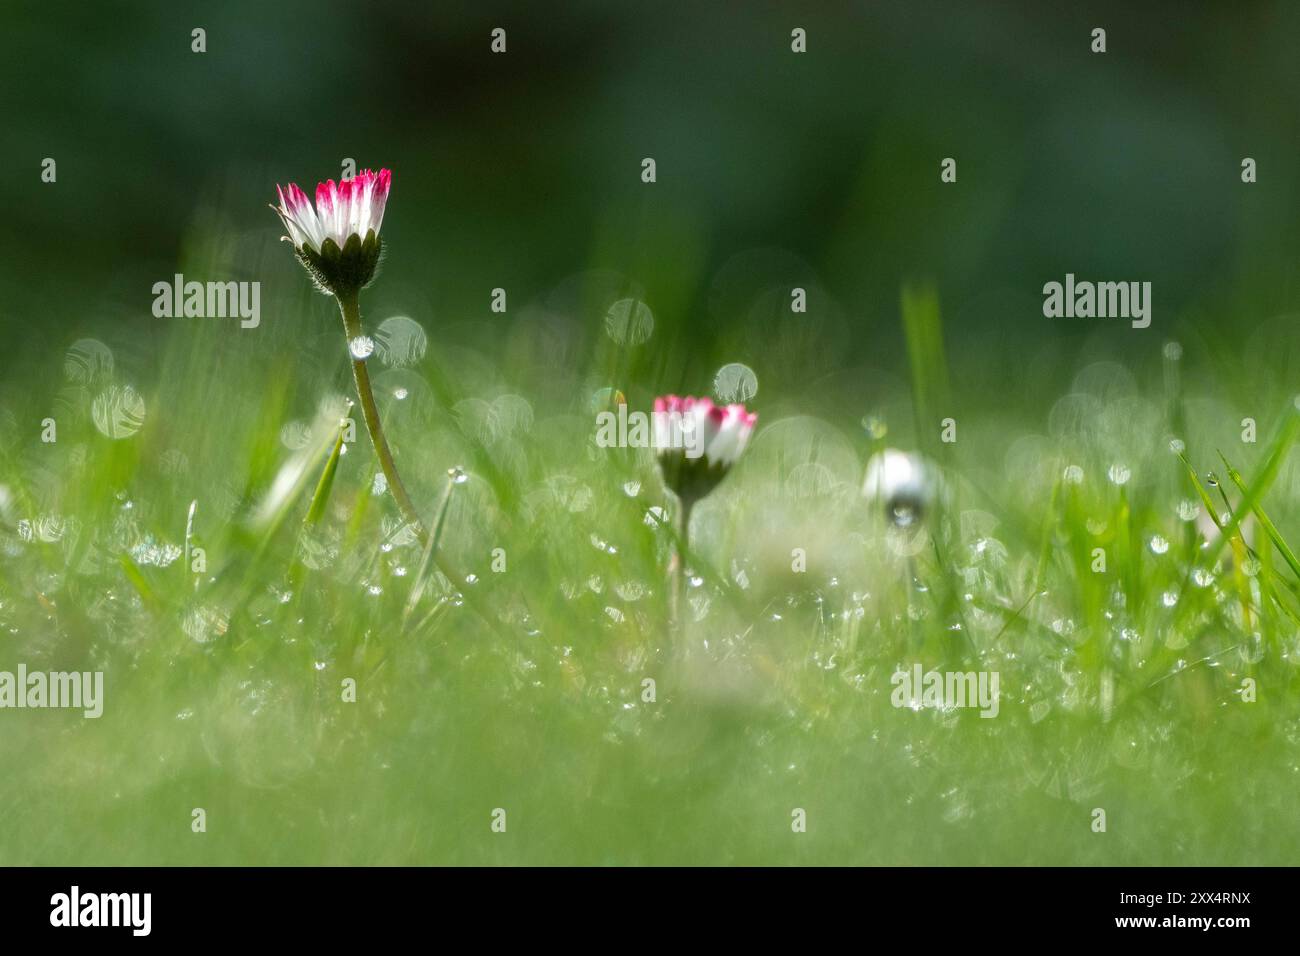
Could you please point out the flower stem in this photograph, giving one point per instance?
(350, 307)
(677, 571)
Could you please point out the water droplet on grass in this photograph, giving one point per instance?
(458, 475)
(88, 362)
(875, 427)
(630, 590)
(361, 347)
(204, 624)
(118, 411)
(735, 382)
(629, 322)
(1158, 544)
(401, 341)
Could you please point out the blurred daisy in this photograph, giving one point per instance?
(697, 442)
(902, 484)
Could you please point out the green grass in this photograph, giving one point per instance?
(522, 689)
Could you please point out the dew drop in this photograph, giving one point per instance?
(361, 347)
(875, 427)
(903, 515)
(118, 411)
(88, 362)
(735, 383)
(401, 341)
(629, 322)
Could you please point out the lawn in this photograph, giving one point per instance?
(326, 695)
(871, 236)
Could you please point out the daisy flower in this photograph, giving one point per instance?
(697, 442)
(337, 240)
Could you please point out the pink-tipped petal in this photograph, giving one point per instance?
(379, 198)
(341, 209)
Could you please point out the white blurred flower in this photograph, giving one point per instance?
(902, 483)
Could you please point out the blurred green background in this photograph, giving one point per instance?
(522, 171)
(819, 170)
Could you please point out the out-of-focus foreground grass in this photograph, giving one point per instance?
(522, 689)
(521, 684)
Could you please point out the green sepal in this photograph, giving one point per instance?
(345, 271)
